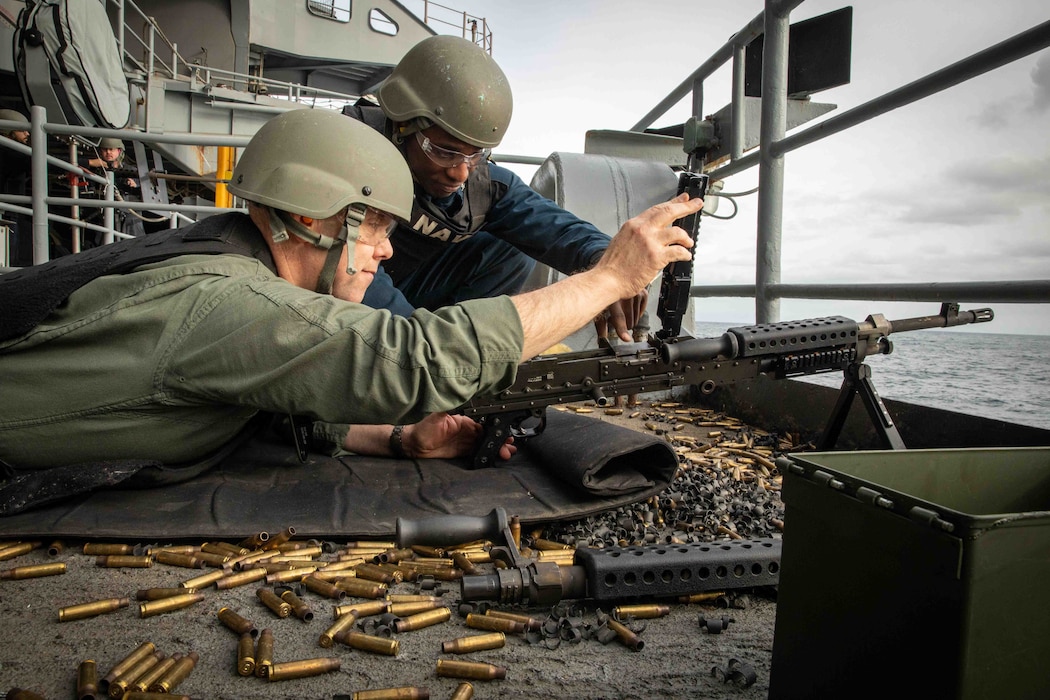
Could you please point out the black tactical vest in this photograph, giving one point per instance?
(432, 229)
(29, 295)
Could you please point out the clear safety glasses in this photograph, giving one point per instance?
(446, 157)
(372, 226)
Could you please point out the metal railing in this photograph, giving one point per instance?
(768, 289)
(471, 27)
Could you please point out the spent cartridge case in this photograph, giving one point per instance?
(247, 561)
(237, 622)
(274, 602)
(290, 574)
(701, 597)
(280, 538)
(158, 593)
(341, 623)
(404, 693)
(648, 611)
(362, 589)
(423, 619)
(224, 548)
(124, 561)
(629, 639)
(87, 680)
(98, 607)
(246, 655)
(204, 580)
(264, 653)
(147, 695)
(329, 590)
(120, 685)
(464, 691)
(176, 674)
(299, 607)
(362, 609)
(140, 652)
(549, 545)
(255, 541)
(393, 556)
(494, 624)
(240, 579)
(106, 548)
(175, 548)
(478, 642)
(177, 602)
(475, 670)
(187, 561)
(18, 573)
(364, 544)
(464, 563)
(56, 548)
(413, 607)
(23, 694)
(212, 559)
(531, 623)
(413, 598)
(143, 682)
(369, 642)
(373, 572)
(302, 669)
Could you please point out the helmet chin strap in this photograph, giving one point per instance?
(406, 129)
(282, 223)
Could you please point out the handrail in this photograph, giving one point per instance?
(774, 144)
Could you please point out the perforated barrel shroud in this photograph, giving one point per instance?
(680, 569)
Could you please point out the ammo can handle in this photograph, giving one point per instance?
(452, 529)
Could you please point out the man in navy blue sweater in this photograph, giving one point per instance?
(477, 229)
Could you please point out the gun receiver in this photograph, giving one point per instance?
(777, 350)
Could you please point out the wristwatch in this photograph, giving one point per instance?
(397, 446)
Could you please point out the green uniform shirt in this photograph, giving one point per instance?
(170, 361)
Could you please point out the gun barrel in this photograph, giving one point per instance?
(950, 316)
(699, 349)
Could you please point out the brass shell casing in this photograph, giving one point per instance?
(477, 642)
(274, 602)
(98, 607)
(362, 609)
(124, 561)
(345, 622)
(280, 538)
(107, 548)
(177, 674)
(178, 602)
(240, 579)
(475, 670)
(531, 623)
(404, 693)
(87, 680)
(140, 652)
(187, 561)
(158, 593)
(494, 624)
(631, 640)
(361, 588)
(649, 611)
(464, 691)
(237, 622)
(300, 608)
(33, 571)
(423, 619)
(302, 669)
(246, 655)
(264, 654)
(204, 580)
(329, 590)
(120, 685)
(143, 682)
(413, 607)
(369, 642)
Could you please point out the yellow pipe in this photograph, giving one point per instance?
(224, 171)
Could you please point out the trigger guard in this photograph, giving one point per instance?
(519, 431)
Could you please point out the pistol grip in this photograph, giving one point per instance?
(497, 427)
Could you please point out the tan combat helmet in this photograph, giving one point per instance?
(111, 143)
(315, 163)
(453, 83)
(13, 116)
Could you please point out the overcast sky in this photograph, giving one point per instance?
(955, 188)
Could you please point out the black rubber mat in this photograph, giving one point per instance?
(578, 466)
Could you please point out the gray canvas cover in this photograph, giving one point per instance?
(86, 73)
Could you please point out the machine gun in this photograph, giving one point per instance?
(776, 350)
(598, 574)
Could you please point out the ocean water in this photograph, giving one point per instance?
(991, 375)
